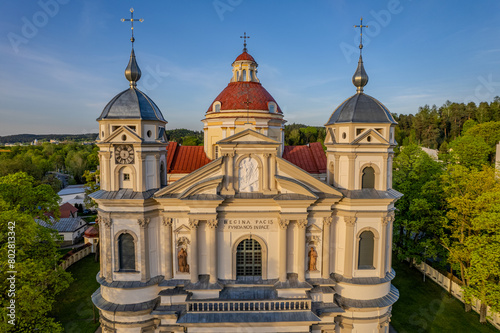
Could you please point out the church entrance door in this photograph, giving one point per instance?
(249, 258)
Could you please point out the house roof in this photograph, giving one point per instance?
(72, 189)
(310, 158)
(67, 209)
(70, 224)
(185, 159)
(91, 232)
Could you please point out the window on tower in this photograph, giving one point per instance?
(126, 252)
(366, 250)
(368, 178)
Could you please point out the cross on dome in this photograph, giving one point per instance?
(245, 37)
(131, 20)
(361, 26)
(360, 78)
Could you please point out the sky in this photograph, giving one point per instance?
(63, 60)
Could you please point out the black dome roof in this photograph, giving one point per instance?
(131, 104)
(361, 108)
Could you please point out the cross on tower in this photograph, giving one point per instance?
(131, 20)
(361, 26)
(244, 41)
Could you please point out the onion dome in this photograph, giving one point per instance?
(360, 78)
(132, 103)
(244, 92)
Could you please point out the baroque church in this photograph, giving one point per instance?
(245, 234)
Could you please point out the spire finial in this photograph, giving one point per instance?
(132, 72)
(360, 78)
(361, 26)
(244, 41)
(131, 20)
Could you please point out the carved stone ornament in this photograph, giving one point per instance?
(144, 222)
(105, 220)
(327, 220)
(182, 260)
(313, 258)
(302, 223)
(283, 223)
(212, 223)
(350, 220)
(311, 240)
(388, 218)
(167, 221)
(193, 223)
(183, 241)
(248, 175)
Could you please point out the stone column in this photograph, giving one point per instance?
(167, 223)
(350, 221)
(301, 248)
(272, 172)
(352, 172)
(385, 261)
(283, 226)
(336, 170)
(107, 248)
(265, 172)
(230, 173)
(212, 225)
(140, 181)
(157, 167)
(384, 175)
(144, 241)
(193, 269)
(327, 221)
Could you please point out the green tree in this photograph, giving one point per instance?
(470, 151)
(39, 277)
(417, 224)
(91, 185)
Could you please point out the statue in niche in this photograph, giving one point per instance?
(248, 175)
(182, 261)
(313, 257)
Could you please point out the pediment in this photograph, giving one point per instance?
(204, 180)
(116, 136)
(182, 229)
(330, 136)
(313, 229)
(375, 138)
(247, 136)
(289, 170)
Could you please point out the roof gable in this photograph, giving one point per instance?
(247, 136)
(115, 136)
(375, 136)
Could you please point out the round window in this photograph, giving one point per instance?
(344, 135)
(369, 139)
(124, 137)
(149, 134)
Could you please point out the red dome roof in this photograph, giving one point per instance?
(236, 94)
(245, 56)
(91, 232)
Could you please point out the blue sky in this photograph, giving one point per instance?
(63, 60)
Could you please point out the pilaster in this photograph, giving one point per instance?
(350, 222)
(283, 226)
(168, 262)
(193, 224)
(144, 241)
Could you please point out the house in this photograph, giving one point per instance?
(70, 229)
(68, 210)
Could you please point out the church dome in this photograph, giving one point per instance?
(132, 103)
(361, 108)
(244, 92)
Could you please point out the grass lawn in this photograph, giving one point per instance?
(426, 307)
(73, 307)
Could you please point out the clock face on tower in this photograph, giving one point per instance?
(124, 154)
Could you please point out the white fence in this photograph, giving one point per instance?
(76, 257)
(456, 290)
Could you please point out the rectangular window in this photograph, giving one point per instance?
(216, 152)
(126, 176)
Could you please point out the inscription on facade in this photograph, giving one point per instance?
(248, 224)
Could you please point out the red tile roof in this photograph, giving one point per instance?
(236, 94)
(67, 210)
(310, 158)
(185, 159)
(245, 56)
(91, 232)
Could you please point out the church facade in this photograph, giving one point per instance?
(245, 234)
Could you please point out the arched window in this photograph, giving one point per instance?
(366, 250)
(249, 258)
(126, 252)
(243, 75)
(368, 179)
(163, 174)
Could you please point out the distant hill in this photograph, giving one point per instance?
(173, 135)
(27, 138)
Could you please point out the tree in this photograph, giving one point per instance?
(39, 277)
(467, 223)
(470, 151)
(417, 224)
(91, 185)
